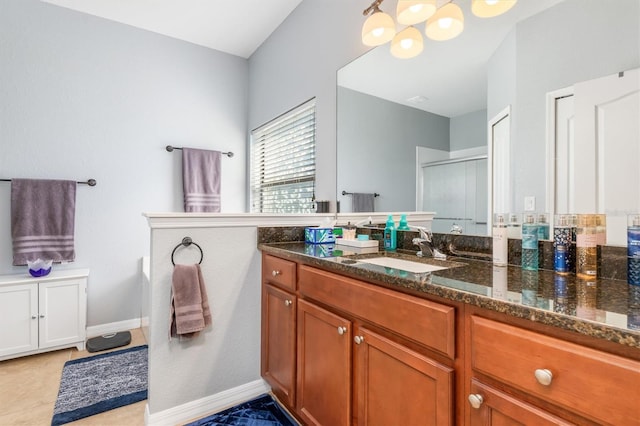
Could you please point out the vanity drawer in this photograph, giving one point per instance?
(279, 272)
(594, 384)
(428, 323)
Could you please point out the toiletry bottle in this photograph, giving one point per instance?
(403, 225)
(586, 247)
(390, 237)
(543, 227)
(529, 243)
(573, 225)
(633, 249)
(562, 244)
(514, 230)
(500, 241)
(601, 232)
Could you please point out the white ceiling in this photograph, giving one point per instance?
(237, 27)
(451, 74)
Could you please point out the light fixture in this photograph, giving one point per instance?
(491, 8)
(443, 23)
(446, 23)
(407, 43)
(411, 12)
(379, 28)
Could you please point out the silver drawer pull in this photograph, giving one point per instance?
(275, 272)
(288, 302)
(358, 339)
(543, 376)
(342, 330)
(475, 400)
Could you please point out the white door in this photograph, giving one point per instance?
(606, 157)
(62, 312)
(19, 308)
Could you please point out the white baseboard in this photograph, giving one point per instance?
(202, 407)
(99, 330)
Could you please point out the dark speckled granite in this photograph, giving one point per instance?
(602, 308)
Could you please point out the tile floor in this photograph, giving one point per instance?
(29, 388)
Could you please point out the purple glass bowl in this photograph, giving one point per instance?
(39, 272)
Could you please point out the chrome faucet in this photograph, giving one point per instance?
(425, 243)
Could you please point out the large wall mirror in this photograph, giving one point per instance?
(415, 131)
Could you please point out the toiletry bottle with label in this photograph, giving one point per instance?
(562, 244)
(514, 230)
(500, 240)
(529, 243)
(633, 249)
(403, 225)
(586, 247)
(390, 237)
(543, 226)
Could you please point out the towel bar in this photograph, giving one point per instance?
(375, 194)
(90, 182)
(186, 242)
(170, 148)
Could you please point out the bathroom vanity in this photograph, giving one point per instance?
(345, 342)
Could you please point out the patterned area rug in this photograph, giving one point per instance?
(262, 411)
(100, 383)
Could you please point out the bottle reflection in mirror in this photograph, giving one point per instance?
(633, 311)
(633, 249)
(529, 243)
(586, 297)
(529, 287)
(500, 283)
(500, 240)
(587, 246)
(543, 226)
(564, 295)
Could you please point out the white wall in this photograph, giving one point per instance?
(82, 97)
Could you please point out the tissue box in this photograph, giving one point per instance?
(319, 250)
(318, 235)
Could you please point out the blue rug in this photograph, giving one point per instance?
(262, 411)
(100, 383)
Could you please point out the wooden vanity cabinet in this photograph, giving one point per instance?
(278, 344)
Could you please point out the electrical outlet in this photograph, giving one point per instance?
(529, 204)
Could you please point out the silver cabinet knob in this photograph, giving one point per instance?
(33, 317)
(475, 400)
(288, 302)
(342, 330)
(543, 376)
(358, 339)
(275, 272)
(41, 315)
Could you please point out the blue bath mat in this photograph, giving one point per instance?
(262, 411)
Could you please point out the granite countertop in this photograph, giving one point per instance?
(602, 308)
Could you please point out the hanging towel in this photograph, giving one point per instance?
(43, 220)
(190, 312)
(201, 180)
(362, 202)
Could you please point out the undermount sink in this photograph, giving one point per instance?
(402, 264)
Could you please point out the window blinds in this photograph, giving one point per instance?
(283, 162)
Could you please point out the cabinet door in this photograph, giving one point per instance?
(19, 308)
(324, 366)
(397, 386)
(278, 342)
(490, 407)
(62, 307)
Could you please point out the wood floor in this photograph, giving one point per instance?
(29, 388)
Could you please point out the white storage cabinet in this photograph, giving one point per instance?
(43, 314)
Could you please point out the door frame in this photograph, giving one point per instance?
(505, 164)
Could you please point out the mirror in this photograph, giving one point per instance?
(442, 100)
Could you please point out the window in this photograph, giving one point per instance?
(283, 163)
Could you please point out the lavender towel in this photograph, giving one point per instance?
(201, 180)
(42, 220)
(190, 312)
(362, 202)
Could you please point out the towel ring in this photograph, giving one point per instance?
(186, 242)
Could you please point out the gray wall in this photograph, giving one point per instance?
(468, 131)
(576, 40)
(377, 152)
(300, 61)
(82, 97)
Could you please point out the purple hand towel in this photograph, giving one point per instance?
(43, 220)
(201, 180)
(362, 202)
(190, 312)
